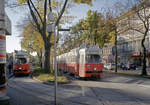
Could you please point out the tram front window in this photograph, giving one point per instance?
(21, 61)
(92, 58)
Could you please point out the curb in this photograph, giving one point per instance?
(49, 83)
(4, 99)
(128, 74)
(10, 76)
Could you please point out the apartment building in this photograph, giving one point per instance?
(130, 49)
(129, 42)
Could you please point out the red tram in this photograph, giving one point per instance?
(21, 63)
(82, 62)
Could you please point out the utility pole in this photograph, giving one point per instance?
(52, 28)
(3, 98)
(116, 52)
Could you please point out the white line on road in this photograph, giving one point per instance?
(145, 86)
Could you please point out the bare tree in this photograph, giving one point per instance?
(113, 21)
(138, 20)
(116, 23)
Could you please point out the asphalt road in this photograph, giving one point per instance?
(25, 91)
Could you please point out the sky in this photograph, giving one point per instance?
(18, 14)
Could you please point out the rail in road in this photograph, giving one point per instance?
(79, 92)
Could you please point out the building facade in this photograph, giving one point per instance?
(129, 42)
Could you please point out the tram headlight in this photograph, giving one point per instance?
(94, 69)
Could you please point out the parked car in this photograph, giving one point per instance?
(133, 66)
(128, 66)
(109, 66)
(125, 66)
(119, 65)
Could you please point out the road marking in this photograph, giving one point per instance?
(83, 90)
(146, 86)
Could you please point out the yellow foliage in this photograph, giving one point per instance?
(32, 39)
(21, 1)
(112, 35)
(89, 2)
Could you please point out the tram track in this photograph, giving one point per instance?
(97, 96)
(91, 88)
(15, 87)
(80, 91)
(28, 91)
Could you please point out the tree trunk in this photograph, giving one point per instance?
(47, 56)
(116, 52)
(144, 72)
(40, 59)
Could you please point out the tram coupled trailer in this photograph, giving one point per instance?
(82, 62)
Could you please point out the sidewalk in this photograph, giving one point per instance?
(138, 71)
(126, 76)
(4, 99)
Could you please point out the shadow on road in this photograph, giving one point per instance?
(116, 78)
(24, 91)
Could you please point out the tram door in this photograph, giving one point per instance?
(81, 65)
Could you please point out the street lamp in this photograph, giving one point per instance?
(51, 28)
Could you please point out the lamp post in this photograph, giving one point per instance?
(51, 28)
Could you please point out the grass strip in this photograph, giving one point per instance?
(48, 77)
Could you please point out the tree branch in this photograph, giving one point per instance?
(136, 30)
(45, 13)
(61, 13)
(34, 17)
(36, 11)
(50, 6)
(138, 14)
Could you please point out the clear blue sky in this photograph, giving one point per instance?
(17, 15)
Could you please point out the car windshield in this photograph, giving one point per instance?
(113, 64)
(21, 61)
(92, 58)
